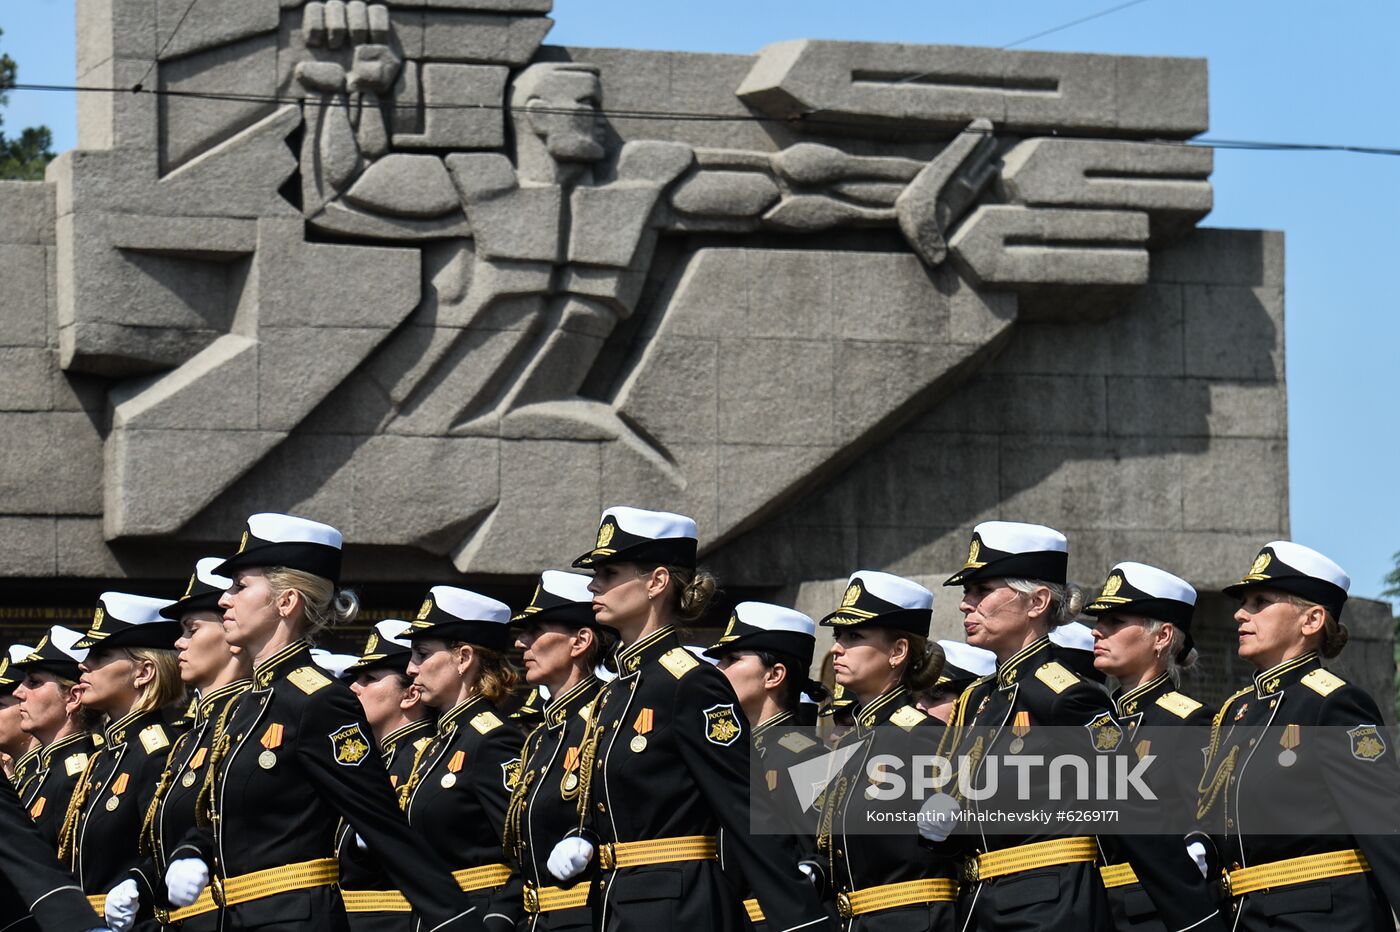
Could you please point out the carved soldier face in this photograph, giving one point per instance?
(563, 111)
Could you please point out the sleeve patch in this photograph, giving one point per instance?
(486, 722)
(1323, 682)
(1106, 733)
(153, 738)
(1057, 677)
(796, 742)
(350, 745)
(908, 717)
(678, 662)
(722, 724)
(1366, 742)
(510, 772)
(1178, 704)
(308, 680)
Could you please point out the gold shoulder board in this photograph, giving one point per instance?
(1323, 682)
(1055, 676)
(153, 738)
(678, 662)
(795, 742)
(308, 679)
(486, 722)
(908, 717)
(1178, 704)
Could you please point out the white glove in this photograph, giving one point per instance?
(569, 858)
(360, 842)
(806, 869)
(1197, 850)
(936, 817)
(184, 880)
(122, 902)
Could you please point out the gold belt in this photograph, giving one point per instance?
(1296, 870)
(1117, 875)
(548, 899)
(374, 901)
(259, 885)
(892, 895)
(1057, 851)
(620, 854)
(754, 910)
(485, 877)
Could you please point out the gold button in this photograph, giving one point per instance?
(602, 808)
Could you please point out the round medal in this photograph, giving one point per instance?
(639, 744)
(187, 780)
(1287, 758)
(1016, 745)
(449, 780)
(267, 760)
(570, 782)
(113, 803)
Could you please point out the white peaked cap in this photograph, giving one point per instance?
(570, 586)
(64, 639)
(134, 609)
(975, 660)
(699, 654)
(289, 529)
(204, 572)
(395, 631)
(1157, 583)
(335, 664)
(1073, 635)
(19, 651)
(771, 617)
(657, 525)
(1016, 537)
(1311, 562)
(893, 589)
(469, 606)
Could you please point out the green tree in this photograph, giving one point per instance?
(1392, 591)
(21, 158)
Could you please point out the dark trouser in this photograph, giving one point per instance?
(932, 917)
(1353, 903)
(1133, 910)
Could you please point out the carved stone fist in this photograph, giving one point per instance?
(333, 23)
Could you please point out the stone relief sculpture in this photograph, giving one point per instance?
(403, 251)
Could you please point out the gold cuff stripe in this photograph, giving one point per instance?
(754, 910)
(1031, 857)
(485, 877)
(894, 895)
(1297, 870)
(658, 851)
(1118, 875)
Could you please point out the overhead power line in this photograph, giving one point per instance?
(684, 117)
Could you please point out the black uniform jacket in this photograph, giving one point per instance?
(986, 720)
(361, 870)
(864, 853)
(458, 795)
(172, 814)
(1331, 783)
(669, 750)
(111, 800)
(544, 807)
(31, 880)
(299, 756)
(47, 795)
(25, 770)
(1158, 719)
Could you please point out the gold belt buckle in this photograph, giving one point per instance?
(216, 889)
(532, 899)
(162, 915)
(843, 905)
(607, 856)
(971, 871)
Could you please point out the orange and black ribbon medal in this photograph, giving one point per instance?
(271, 740)
(1020, 727)
(454, 764)
(118, 788)
(1291, 738)
(646, 719)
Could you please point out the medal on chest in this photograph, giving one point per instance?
(646, 720)
(1020, 727)
(271, 740)
(454, 766)
(1292, 737)
(119, 786)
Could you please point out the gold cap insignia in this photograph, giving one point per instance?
(605, 535)
(1261, 563)
(425, 609)
(852, 595)
(97, 617)
(1111, 587)
(372, 643)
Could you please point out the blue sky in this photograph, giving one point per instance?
(1279, 71)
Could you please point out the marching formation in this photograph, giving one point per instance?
(189, 764)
